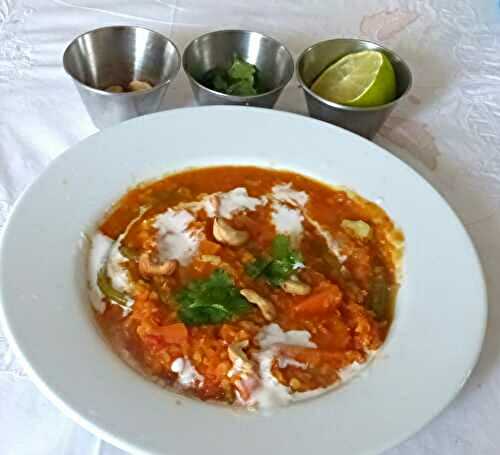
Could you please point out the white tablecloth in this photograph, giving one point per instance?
(448, 130)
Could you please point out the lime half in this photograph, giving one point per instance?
(362, 79)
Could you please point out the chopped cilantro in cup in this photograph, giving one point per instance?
(240, 79)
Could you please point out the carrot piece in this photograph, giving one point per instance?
(208, 247)
(174, 333)
(319, 303)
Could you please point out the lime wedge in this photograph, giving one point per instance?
(362, 79)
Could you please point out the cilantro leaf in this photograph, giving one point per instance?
(242, 88)
(210, 301)
(220, 83)
(240, 79)
(281, 248)
(256, 268)
(285, 260)
(241, 69)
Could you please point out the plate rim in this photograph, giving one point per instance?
(106, 435)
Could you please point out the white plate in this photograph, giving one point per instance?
(431, 349)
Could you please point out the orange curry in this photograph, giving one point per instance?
(227, 265)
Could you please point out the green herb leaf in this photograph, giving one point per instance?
(220, 83)
(211, 301)
(242, 88)
(285, 261)
(256, 268)
(281, 247)
(241, 69)
(240, 79)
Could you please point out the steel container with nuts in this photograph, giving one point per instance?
(121, 72)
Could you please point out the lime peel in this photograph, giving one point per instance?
(360, 79)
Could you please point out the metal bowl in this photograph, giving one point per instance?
(365, 121)
(217, 50)
(116, 56)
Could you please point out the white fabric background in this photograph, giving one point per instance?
(447, 130)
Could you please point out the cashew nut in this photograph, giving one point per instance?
(136, 86)
(241, 363)
(146, 267)
(265, 306)
(295, 287)
(115, 89)
(224, 233)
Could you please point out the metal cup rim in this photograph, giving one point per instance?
(124, 94)
(343, 106)
(235, 97)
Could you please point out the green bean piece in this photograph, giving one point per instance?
(130, 253)
(379, 295)
(104, 284)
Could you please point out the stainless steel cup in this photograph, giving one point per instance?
(217, 50)
(116, 56)
(364, 121)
